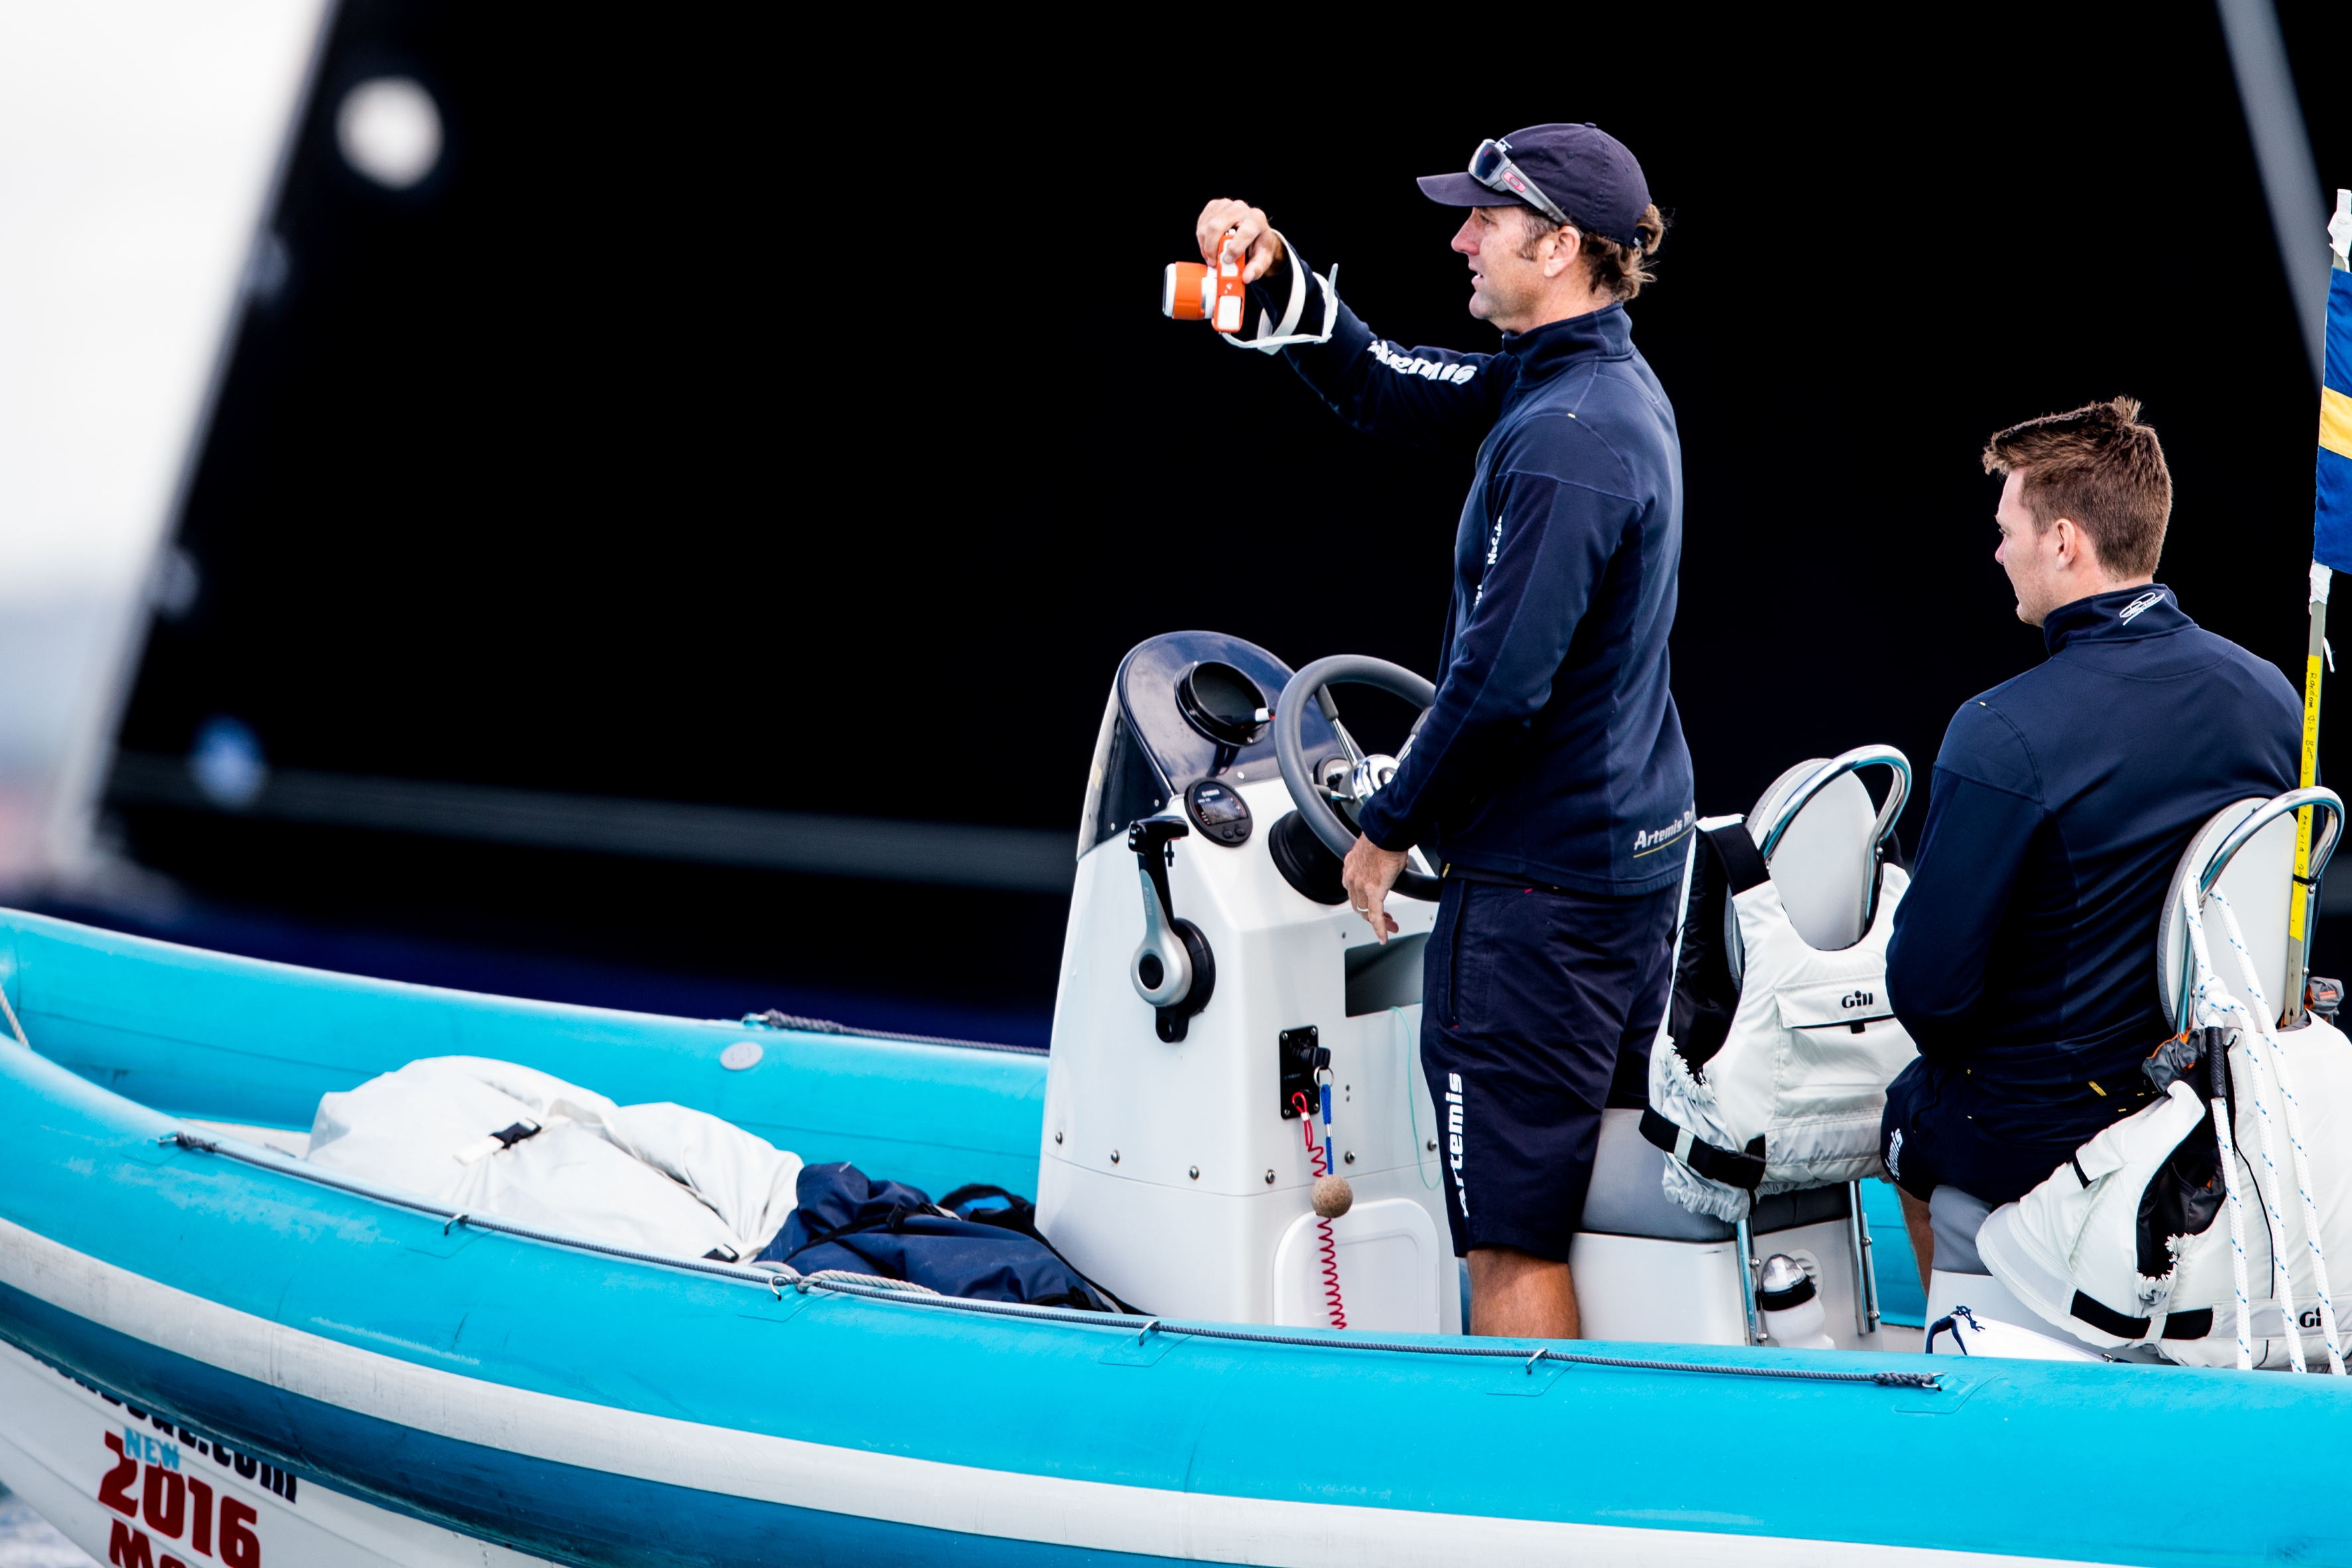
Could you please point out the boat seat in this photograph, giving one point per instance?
(2258, 881)
(1646, 1268)
(1826, 861)
(1956, 1218)
(1961, 1282)
(2245, 852)
(1628, 1197)
(1820, 840)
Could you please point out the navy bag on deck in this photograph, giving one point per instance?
(958, 1246)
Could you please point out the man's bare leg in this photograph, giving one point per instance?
(1923, 1235)
(1516, 1295)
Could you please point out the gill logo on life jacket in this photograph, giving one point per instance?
(1857, 999)
(2144, 602)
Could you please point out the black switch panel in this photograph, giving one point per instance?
(1302, 1053)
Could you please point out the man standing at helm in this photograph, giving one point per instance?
(1549, 777)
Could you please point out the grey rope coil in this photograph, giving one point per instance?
(14, 1027)
(773, 1019)
(1926, 1380)
(907, 1293)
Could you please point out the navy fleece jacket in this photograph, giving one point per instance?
(1553, 751)
(2025, 950)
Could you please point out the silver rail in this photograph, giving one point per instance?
(1827, 774)
(1748, 1320)
(1889, 811)
(1865, 1283)
(2327, 827)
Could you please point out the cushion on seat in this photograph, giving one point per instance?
(1956, 1218)
(2252, 883)
(1628, 1197)
(1807, 1205)
(1825, 863)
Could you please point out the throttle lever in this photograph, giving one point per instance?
(1172, 968)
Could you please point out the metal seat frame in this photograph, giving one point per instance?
(2327, 826)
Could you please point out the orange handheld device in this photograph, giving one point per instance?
(1191, 291)
(1186, 292)
(1215, 293)
(1232, 295)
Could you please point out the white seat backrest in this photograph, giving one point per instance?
(1823, 863)
(2259, 883)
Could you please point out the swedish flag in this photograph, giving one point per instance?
(2331, 551)
(2331, 543)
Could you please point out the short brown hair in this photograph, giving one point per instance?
(2101, 466)
(1617, 270)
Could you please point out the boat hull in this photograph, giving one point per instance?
(55, 1450)
(418, 1381)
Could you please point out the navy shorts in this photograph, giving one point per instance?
(1540, 1008)
(1940, 1129)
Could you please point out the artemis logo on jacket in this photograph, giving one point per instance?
(1647, 839)
(2137, 606)
(1494, 552)
(1427, 369)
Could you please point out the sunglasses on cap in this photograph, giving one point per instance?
(1492, 167)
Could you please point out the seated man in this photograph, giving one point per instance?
(2024, 959)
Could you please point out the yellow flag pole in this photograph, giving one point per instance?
(2303, 908)
(2299, 910)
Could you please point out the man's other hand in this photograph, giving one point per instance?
(1368, 873)
(1256, 237)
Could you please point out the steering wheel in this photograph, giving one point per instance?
(1365, 774)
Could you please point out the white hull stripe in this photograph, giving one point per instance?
(1006, 1504)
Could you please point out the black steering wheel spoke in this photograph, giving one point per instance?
(1353, 779)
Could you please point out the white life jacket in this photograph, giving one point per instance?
(2128, 1242)
(2139, 1238)
(1772, 1074)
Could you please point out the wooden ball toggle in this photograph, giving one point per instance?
(1333, 1196)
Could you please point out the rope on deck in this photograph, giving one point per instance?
(775, 1020)
(905, 1292)
(1925, 1379)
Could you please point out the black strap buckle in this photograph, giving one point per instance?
(1744, 1171)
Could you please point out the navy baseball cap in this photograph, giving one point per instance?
(1585, 171)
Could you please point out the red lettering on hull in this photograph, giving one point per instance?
(115, 1491)
(166, 1502)
(129, 1548)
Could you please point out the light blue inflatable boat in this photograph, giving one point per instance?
(214, 1357)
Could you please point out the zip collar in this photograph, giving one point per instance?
(1543, 351)
(2128, 615)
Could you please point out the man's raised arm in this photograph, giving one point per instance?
(1430, 397)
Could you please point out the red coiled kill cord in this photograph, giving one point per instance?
(1321, 1155)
